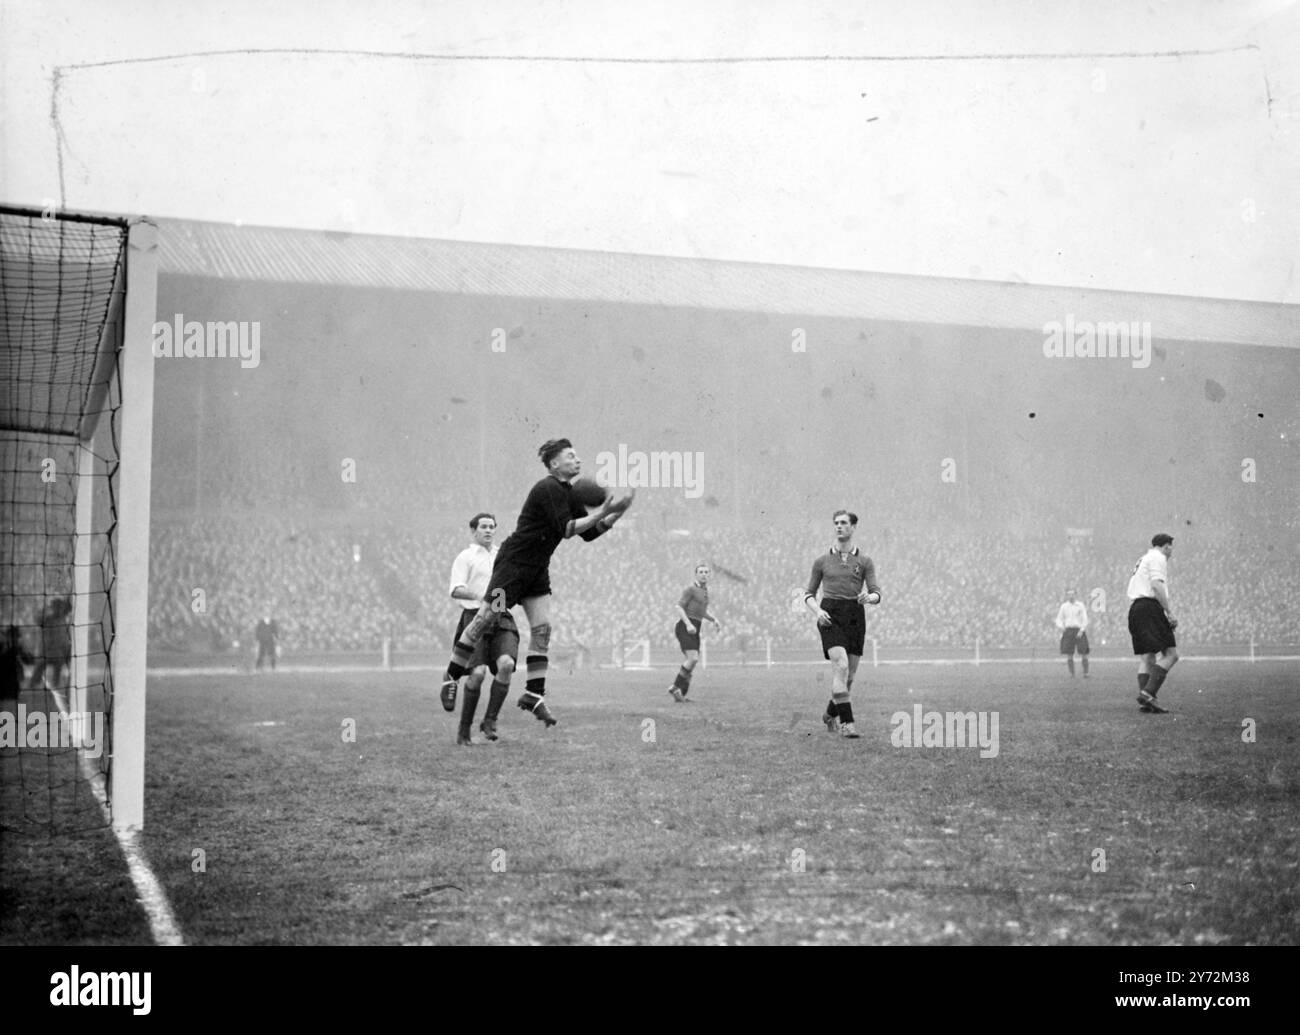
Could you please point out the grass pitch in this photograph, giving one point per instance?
(734, 819)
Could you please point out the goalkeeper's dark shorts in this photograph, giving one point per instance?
(1073, 639)
(1149, 627)
(501, 638)
(512, 583)
(848, 628)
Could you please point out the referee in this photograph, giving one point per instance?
(847, 579)
(1151, 622)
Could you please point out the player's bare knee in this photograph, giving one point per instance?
(1171, 656)
(505, 667)
(541, 638)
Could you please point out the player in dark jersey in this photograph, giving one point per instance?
(693, 608)
(847, 579)
(521, 572)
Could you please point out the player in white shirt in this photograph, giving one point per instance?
(1072, 620)
(471, 572)
(1151, 620)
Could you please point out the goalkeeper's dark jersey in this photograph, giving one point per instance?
(543, 522)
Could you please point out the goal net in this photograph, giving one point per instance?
(75, 424)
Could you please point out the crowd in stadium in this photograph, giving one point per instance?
(349, 583)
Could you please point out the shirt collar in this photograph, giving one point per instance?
(836, 551)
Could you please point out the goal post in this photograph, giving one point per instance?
(78, 295)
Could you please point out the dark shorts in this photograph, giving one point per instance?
(1149, 627)
(499, 640)
(517, 582)
(848, 628)
(1072, 640)
(686, 639)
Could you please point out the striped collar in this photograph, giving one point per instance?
(834, 552)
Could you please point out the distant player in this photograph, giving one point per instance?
(1072, 620)
(847, 579)
(693, 609)
(521, 573)
(267, 635)
(1151, 622)
(54, 664)
(498, 651)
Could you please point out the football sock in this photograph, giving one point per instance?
(683, 679)
(1143, 679)
(469, 705)
(1069, 663)
(496, 698)
(832, 709)
(1158, 675)
(537, 662)
(1084, 659)
(846, 711)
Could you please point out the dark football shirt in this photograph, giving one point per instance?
(842, 577)
(695, 602)
(543, 520)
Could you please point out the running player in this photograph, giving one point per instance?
(521, 573)
(693, 609)
(496, 651)
(847, 579)
(1072, 620)
(1151, 622)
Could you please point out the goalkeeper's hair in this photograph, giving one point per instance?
(552, 448)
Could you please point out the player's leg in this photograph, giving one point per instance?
(483, 622)
(1084, 650)
(1067, 648)
(1159, 669)
(469, 704)
(538, 610)
(682, 681)
(497, 695)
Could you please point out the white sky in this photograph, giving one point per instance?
(1177, 174)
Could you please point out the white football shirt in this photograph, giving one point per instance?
(1072, 616)
(1153, 567)
(472, 569)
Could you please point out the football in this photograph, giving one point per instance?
(588, 492)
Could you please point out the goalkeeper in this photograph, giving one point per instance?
(521, 572)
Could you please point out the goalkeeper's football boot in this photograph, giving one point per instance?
(847, 729)
(463, 737)
(488, 727)
(448, 695)
(832, 722)
(531, 702)
(676, 693)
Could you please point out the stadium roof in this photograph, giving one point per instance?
(267, 254)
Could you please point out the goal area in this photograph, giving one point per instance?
(77, 300)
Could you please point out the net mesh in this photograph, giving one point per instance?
(61, 288)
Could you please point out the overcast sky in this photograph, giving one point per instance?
(1141, 147)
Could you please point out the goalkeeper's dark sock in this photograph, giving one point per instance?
(1084, 659)
(1069, 663)
(682, 680)
(845, 712)
(1158, 676)
(1143, 679)
(496, 698)
(468, 706)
